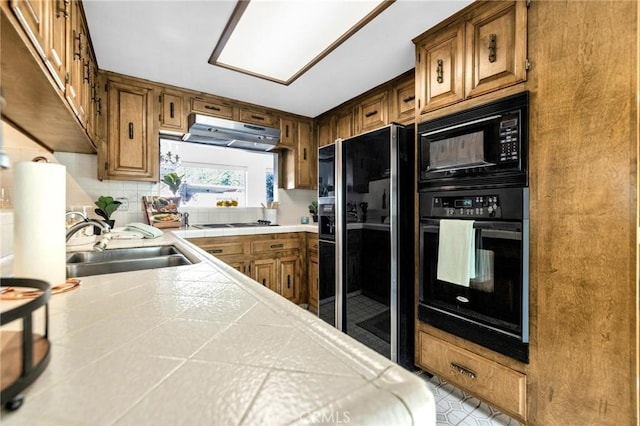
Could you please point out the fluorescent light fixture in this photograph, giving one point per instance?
(279, 40)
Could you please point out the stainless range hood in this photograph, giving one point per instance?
(232, 134)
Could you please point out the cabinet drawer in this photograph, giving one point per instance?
(267, 246)
(218, 109)
(225, 249)
(501, 386)
(257, 117)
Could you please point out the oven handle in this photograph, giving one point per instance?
(503, 230)
(457, 126)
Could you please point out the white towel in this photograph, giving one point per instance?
(146, 230)
(456, 251)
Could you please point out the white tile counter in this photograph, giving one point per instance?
(204, 345)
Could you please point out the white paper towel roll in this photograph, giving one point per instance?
(39, 221)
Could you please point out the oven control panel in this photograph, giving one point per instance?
(509, 145)
(467, 206)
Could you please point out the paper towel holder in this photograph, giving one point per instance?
(40, 158)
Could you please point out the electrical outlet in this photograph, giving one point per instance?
(125, 204)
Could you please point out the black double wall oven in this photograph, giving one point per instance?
(474, 225)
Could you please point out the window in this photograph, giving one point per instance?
(218, 177)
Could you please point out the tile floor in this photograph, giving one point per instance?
(455, 407)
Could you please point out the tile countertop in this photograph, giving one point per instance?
(204, 344)
(192, 232)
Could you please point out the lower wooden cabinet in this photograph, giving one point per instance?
(312, 272)
(500, 386)
(277, 261)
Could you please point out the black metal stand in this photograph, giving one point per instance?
(27, 354)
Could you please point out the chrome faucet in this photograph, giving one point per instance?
(105, 230)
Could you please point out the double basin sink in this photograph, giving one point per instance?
(85, 263)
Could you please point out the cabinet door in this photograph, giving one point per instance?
(324, 134)
(496, 47)
(213, 107)
(264, 272)
(58, 41)
(404, 101)
(306, 158)
(32, 15)
(344, 124)
(312, 282)
(439, 69)
(289, 278)
(172, 116)
(372, 112)
(76, 61)
(287, 133)
(132, 139)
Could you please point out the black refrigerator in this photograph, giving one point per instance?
(366, 192)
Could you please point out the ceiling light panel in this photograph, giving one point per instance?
(279, 40)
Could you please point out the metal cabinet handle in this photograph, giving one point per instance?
(371, 114)
(408, 99)
(463, 370)
(275, 246)
(440, 71)
(130, 130)
(86, 71)
(171, 109)
(215, 251)
(63, 9)
(99, 106)
(288, 281)
(492, 47)
(264, 281)
(304, 154)
(212, 107)
(257, 117)
(78, 53)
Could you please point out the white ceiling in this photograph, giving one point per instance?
(170, 41)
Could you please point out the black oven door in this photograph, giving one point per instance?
(493, 309)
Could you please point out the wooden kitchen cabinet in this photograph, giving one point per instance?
(372, 112)
(440, 68)
(496, 49)
(312, 271)
(132, 138)
(500, 386)
(324, 132)
(75, 88)
(470, 54)
(403, 100)
(173, 115)
(287, 133)
(260, 117)
(300, 163)
(58, 41)
(344, 123)
(273, 260)
(33, 16)
(212, 106)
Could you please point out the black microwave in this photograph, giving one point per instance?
(484, 146)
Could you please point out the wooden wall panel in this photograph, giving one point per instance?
(583, 212)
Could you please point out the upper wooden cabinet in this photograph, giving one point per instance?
(58, 41)
(344, 127)
(132, 141)
(372, 112)
(481, 51)
(287, 132)
(299, 164)
(439, 68)
(172, 111)
(403, 100)
(76, 90)
(212, 106)
(496, 48)
(33, 16)
(324, 132)
(260, 117)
